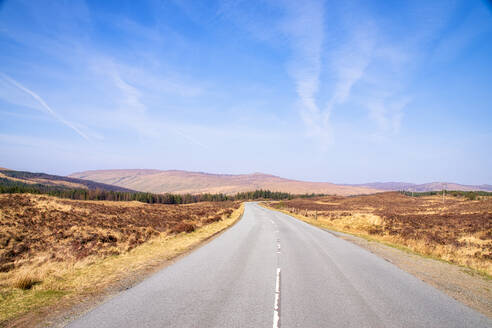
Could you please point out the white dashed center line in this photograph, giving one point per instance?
(276, 304)
(276, 309)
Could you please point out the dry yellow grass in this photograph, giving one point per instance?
(39, 281)
(25, 281)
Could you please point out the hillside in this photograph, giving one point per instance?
(432, 186)
(198, 182)
(56, 181)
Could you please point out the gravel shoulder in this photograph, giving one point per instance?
(460, 283)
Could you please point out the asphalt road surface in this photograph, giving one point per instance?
(270, 270)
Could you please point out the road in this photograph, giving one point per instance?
(270, 270)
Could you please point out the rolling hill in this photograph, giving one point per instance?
(176, 181)
(56, 181)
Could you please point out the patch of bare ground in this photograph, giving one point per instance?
(57, 253)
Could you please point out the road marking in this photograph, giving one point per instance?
(276, 309)
(277, 284)
(276, 304)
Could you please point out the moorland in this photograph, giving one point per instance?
(53, 248)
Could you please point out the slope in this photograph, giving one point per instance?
(56, 180)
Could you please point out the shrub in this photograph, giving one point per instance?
(375, 231)
(212, 219)
(183, 227)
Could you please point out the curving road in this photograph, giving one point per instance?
(270, 270)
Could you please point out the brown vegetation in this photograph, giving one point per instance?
(51, 246)
(458, 230)
(41, 228)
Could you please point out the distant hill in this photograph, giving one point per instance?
(176, 181)
(56, 180)
(486, 187)
(432, 186)
(389, 186)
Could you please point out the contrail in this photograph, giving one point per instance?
(44, 105)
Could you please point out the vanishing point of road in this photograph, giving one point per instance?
(271, 270)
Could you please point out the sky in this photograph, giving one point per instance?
(338, 91)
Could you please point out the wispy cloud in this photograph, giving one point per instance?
(345, 61)
(349, 50)
(349, 63)
(305, 31)
(388, 114)
(44, 105)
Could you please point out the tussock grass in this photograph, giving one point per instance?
(25, 282)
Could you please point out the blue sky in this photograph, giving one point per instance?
(347, 92)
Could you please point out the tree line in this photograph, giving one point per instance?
(16, 187)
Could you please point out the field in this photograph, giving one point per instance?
(458, 230)
(51, 247)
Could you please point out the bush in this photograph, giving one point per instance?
(212, 219)
(183, 227)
